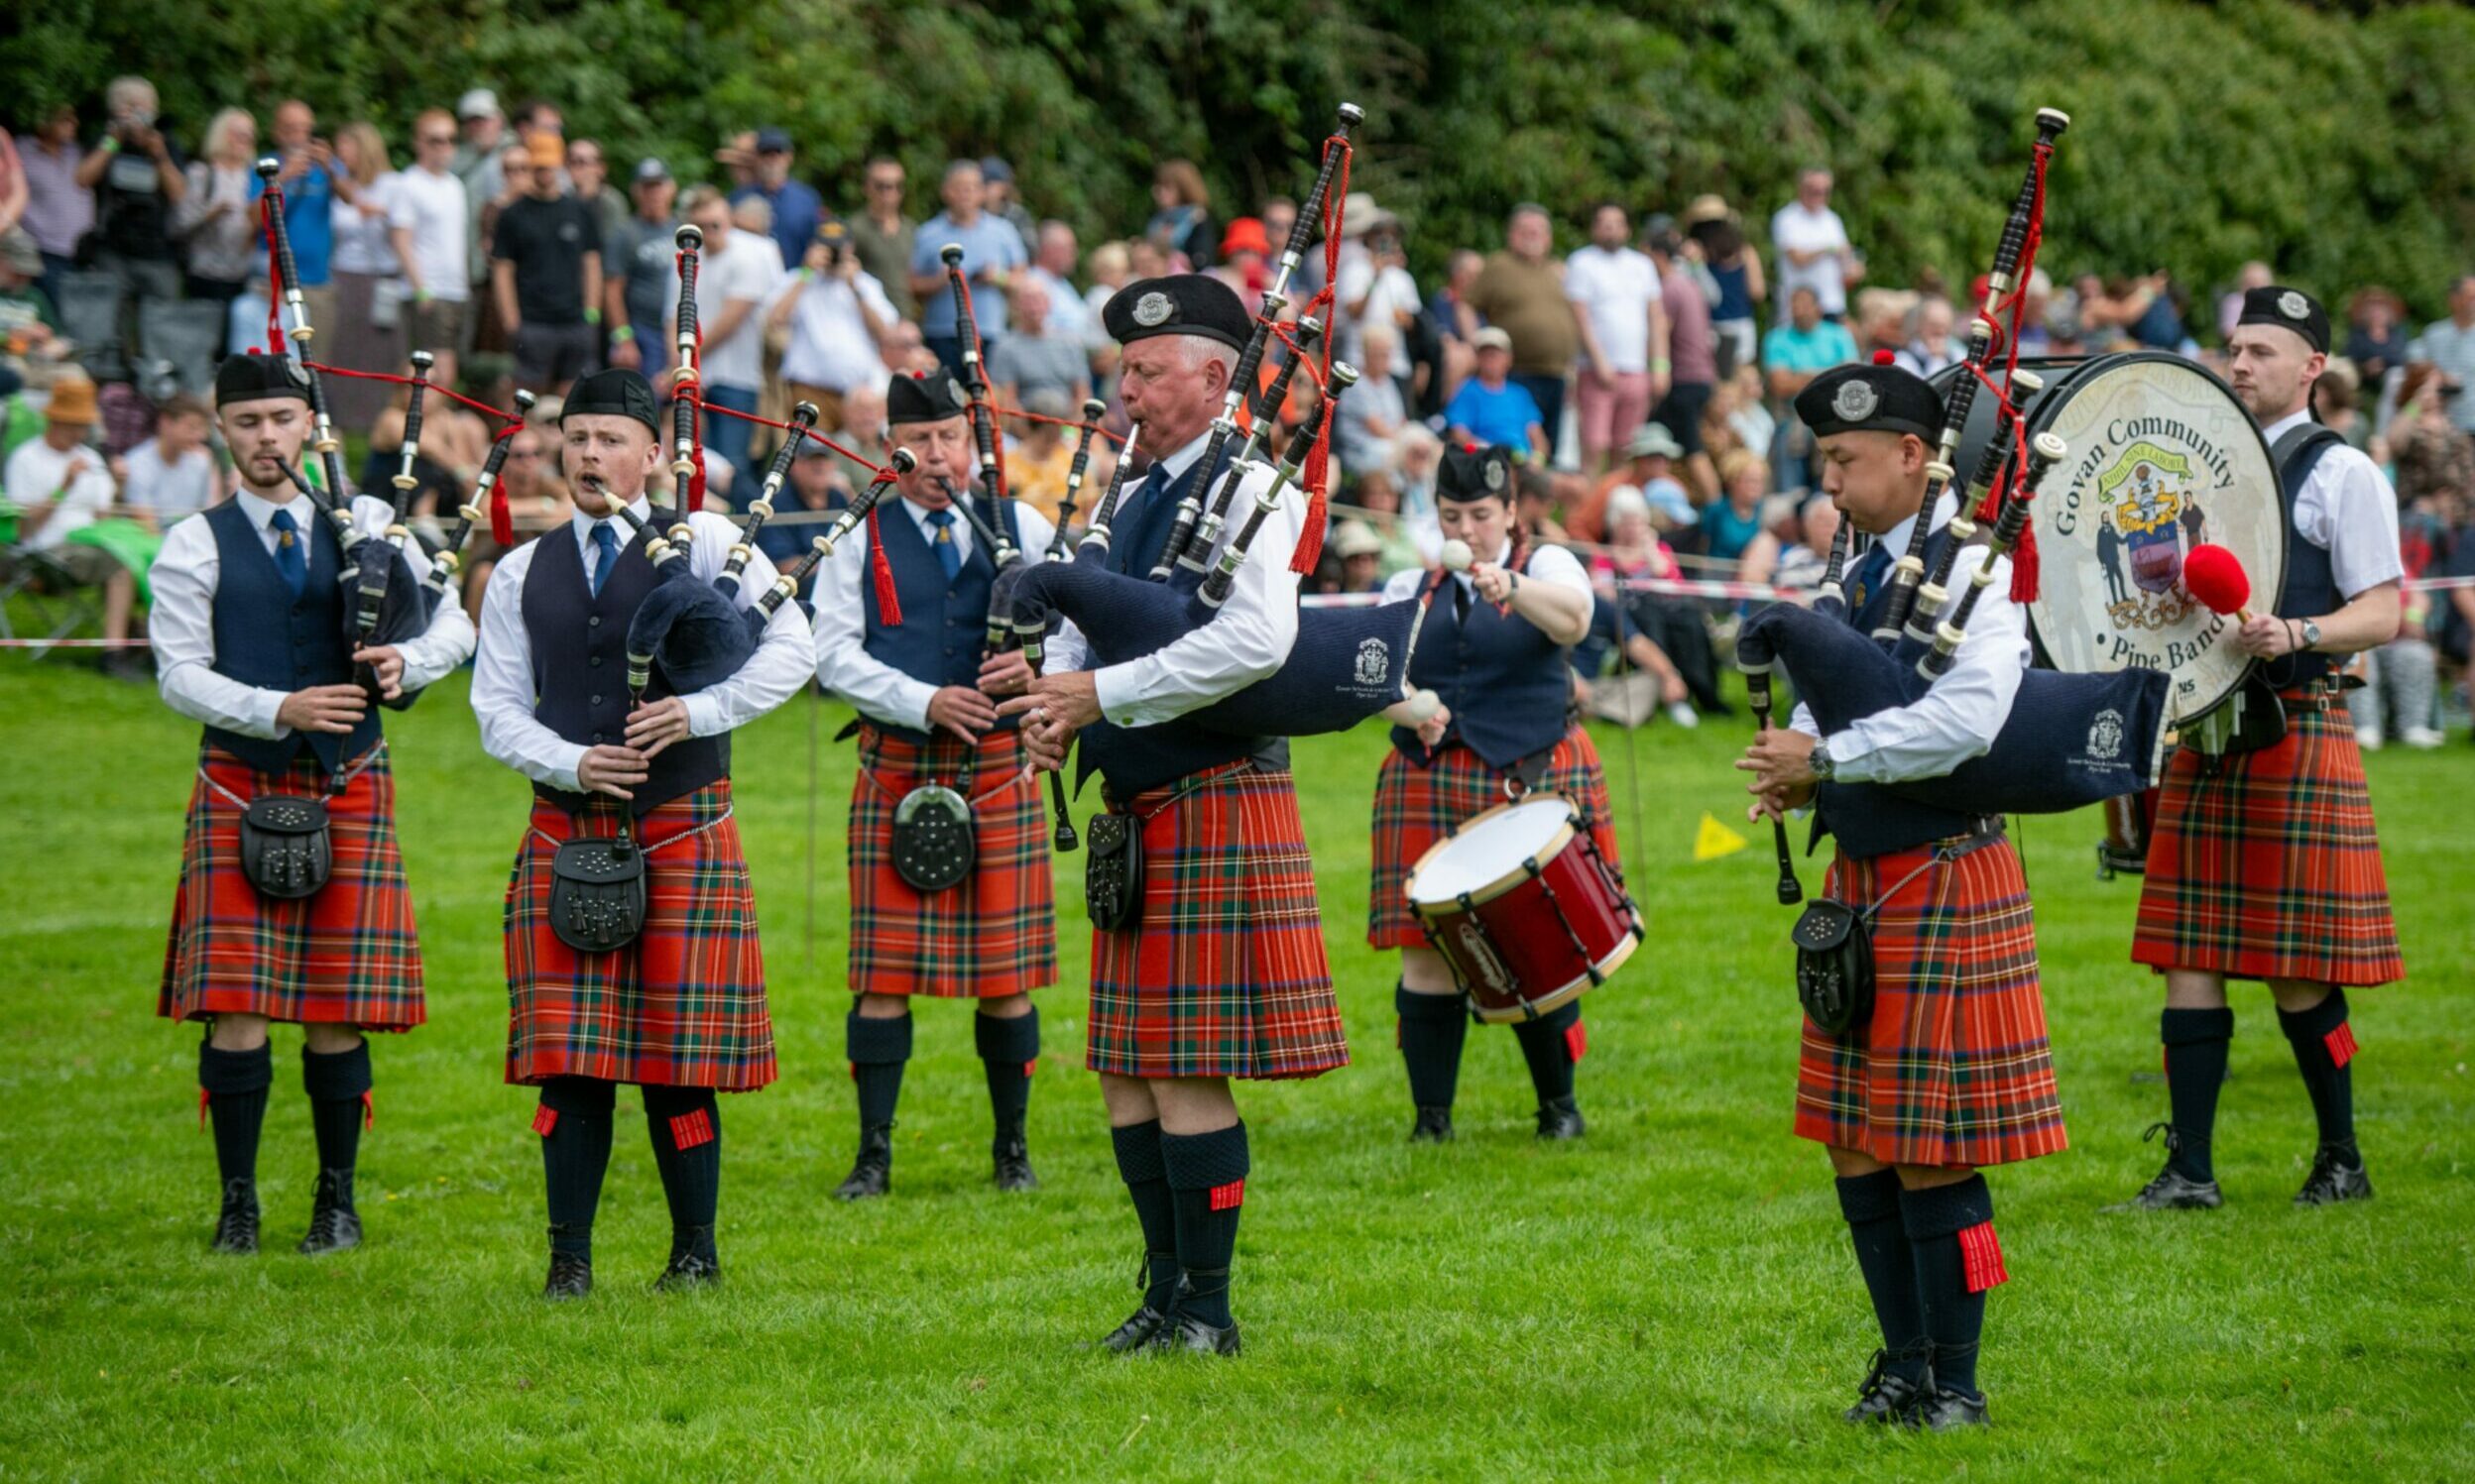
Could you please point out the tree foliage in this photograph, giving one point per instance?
(2330, 140)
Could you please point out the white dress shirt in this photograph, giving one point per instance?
(504, 691)
(883, 692)
(1249, 640)
(2347, 509)
(1957, 718)
(183, 621)
(1549, 564)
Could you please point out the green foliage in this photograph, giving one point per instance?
(2327, 139)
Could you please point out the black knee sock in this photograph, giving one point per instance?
(2196, 1042)
(1952, 1230)
(877, 1049)
(1146, 1177)
(686, 1126)
(1009, 1050)
(235, 1083)
(1871, 1204)
(1432, 1027)
(573, 1121)
(338, 1084)
(1550, 1044)
(1208, 1187)
(2324, 1048)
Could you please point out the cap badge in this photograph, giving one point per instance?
(2294, 305)
(1153, 310)
(1495, 474)
(1855, 400)
(954, 390)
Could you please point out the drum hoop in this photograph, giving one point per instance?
(1498, 885)
(1571, 989)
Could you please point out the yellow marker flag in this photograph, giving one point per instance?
(1715, 840)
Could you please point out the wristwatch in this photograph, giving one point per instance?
(1821, 762)
(2312, 634)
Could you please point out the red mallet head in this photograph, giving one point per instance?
(2211, 574)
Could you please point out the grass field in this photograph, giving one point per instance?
(1672, 1298)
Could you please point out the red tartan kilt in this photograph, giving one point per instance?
(1223, 975)
(683, 1005)
(1417, 806)
(347, 956)
(2269, 867)
(1954, 1069)
(995, 932)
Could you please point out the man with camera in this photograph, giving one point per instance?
(137, 178)
(838, 314)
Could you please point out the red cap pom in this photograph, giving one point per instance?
(1885, 356)
(2215, 575)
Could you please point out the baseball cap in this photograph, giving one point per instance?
(772, 142)
(1493, 337)
(18, 251)
(996, 171)
(477, 103)
(649, 170)
(1654, 440)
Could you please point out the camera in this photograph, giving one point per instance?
(835, 238)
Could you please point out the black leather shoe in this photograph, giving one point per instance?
(873, 1173)
(1560, 1119)
(2172, 1191)
(236, 1227)
(2336, 1175)
(1941, 1411)
(1185, 1334)
(1014, 1166)
(1434, 1125)
(334, 1226)
(570, 1277)
(1885, 1397)
(1137, 1331)
(694, 1263)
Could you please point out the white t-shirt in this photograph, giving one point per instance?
(830, 345)
(1615, 289)
(169, 490)
(361, 245)
(36, 473)
(1388, 293)
(1796, 229)
(747, 267)
(433, 209)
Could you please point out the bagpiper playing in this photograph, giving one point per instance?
(292, 905)
(2263, 861)
(950, 886)
(632, 952)
(1951, 1071)
(1495, 646)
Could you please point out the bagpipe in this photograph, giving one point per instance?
(449, 559)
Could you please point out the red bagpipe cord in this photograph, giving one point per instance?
(982, 402)
(269, 204)
(880, 572)
(1318, 471)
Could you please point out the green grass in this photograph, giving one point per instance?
(1673, 1298)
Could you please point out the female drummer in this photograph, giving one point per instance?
(1494, 647)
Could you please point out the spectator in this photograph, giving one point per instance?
(1750, 417)
(754, 218)
(1405, 541)
(795, 207)
(1036, 357)
(214, 223)
(1792, 354)
(738, 275)
(1245, 247)
(1880, 323)
(2449, 345)
(1493, 408)
(2037, 336)
(1373, 287)
(837, 315)
(311, 180)
(908, 350)
(476, 164)
(862, 428)
(737, 158)
(2376, 335)
(13, 191)
(1052, 266)
(1534, 506)
(1617, 308)
(1731, 529)
(992, 250)
(1359, 553)
(171, 474)
(1650, 466)
(1374, 413)
(547, 277)
(1802, 564)
(2333, 397)
(2430, 454)
(1005, 201)
(588, 180)
(639, 265)
(2456, 621)
(1930, 347)
(1735, 266)
(2400, 677)
(1037, 458)
(60, 487)
(1416, 456)
(1181, 218)
(2254, 275)
(29, 321)
(368, 332)
(884, 237)
(137, 180)
(426, 226)
(1647, 623)
(1448, 309)
(1111, 268)
(1520, 291)
(59, 209)
(815, 486)
(1687, 386)
(1813, 246)
(536, 499)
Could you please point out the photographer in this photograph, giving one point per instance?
(1372, 285)
(137, 178)
(838, 316)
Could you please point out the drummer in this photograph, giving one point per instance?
(1494, 647)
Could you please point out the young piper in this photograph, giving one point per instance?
(247, 632)
(1952, 1072)
(924, 691)
(1495, 647)
(678, 1007)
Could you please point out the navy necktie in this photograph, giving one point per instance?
(290, 558)
(949, 556)
(1871, 573)
(605, 554)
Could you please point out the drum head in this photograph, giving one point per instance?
(1484, 855)
(2162, 457)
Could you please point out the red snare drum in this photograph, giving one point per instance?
(2128, 817)
(1522, 906)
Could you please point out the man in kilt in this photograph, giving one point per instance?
(914, 670)
(249, 635)
(1495, 646)
(679, 1008)
(2263, 863)
(1951, 1071)
(1220, 971)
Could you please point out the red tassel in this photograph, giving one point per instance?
(1310, 537)
(889, 601)
(1982, 1254)
(545, 1119)
(696, 482)
(855, 1069)
(502, 518)
(690, 1129)
(369, 1110)
(2341, 1044)
(2024, 564)
(1229, 1197)
(274, 271)
(1576, 1040)
(1031, 1067)
(202, 1096)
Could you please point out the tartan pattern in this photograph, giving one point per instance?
(992, 935)
(690, 1129)
(1224, 975)
(683, 1005)
(1417, 806)
(1954, 1069)
(2269, 867)
(347, 956)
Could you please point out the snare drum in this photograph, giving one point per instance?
(1522, 904)
(2126, 847)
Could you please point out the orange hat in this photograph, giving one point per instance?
(73, 401)
(549, 151)
(1245, 235)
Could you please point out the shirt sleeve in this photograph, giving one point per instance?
(785, 656)
(1403, 584)
(1557, 566)
(2351, 513)
(877, 689)
(1955, 721)
(502, 684)
(1246, 641)
(181, 627)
